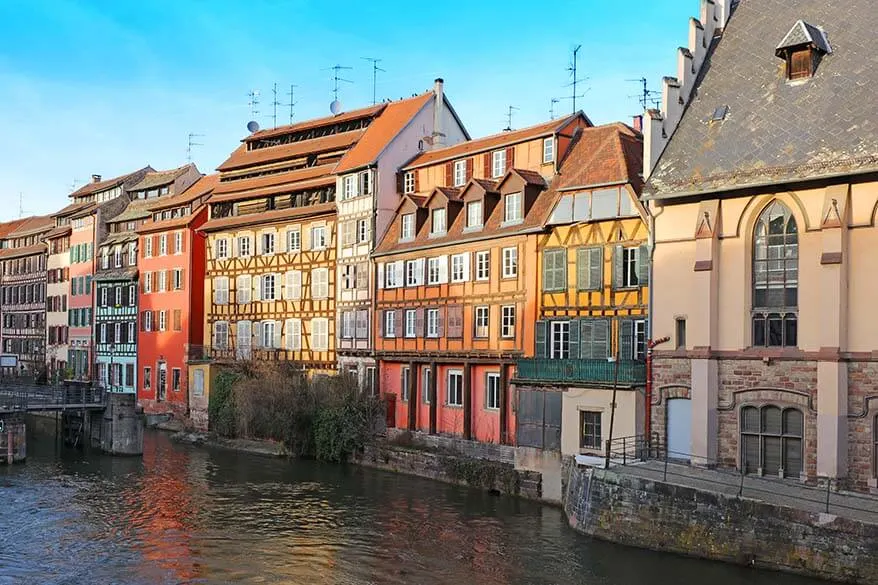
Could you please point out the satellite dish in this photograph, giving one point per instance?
(335, 107)
(253, 126)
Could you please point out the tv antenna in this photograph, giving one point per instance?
(572, 69)
(191, 142)
(552, 108)
(646, 96)
(336, 69)
(274, 105)
(20, 204)
(509, 118)
(73, 184)
(292, 94)
(253, 94)
(375, 70)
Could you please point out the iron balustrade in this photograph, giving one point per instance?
(631, 372)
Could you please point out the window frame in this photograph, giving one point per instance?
(480, 219)
(510, 262)
(407, 227)
(486, 255)
(408, 182)
(595, 426)
(498, 163)
(410, 317)
(454, 391)
(548, 149)
(507, 321)
(458, 173)
(481, 321)
(389, 324)
(492, 395)
(513, 202)
(431, 318)
(435, 215)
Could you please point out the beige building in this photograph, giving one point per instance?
(764, 204)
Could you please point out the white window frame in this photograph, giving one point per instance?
(512, 210)
(363, 231)
(411, 329)
(492, 391)
(459, 173)
(132, 294)
(148, 321)
(147, 247)
(507, 321)
(320, 283)
(408, 182)
(434, 272)
(267, 331)
(406, 375)
(483, 265)
(163, 245)
(481, 321)
(244, 249)
(561, 329)
(630, 265)
(294, 241)
(638, 340)
(432, 317)
(457, 387)
(266, 290)
(438, 228)
(321, 231)
(349, 187)
(498, 163)
(163, 280)
(348, 323)
(268, 242)
(132, 254)
(147, 282)
(222, 248)
(163, 320)
(117, 257)
(177, 279)
(389, 324)
(477, 221)
(460, 267)
(407, 229)
(364, 180)
(549, 149)
(178, 242)
(510, 262)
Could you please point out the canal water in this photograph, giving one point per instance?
(184, 514)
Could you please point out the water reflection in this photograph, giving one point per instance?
(187, 515)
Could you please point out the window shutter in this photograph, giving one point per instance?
(380, 275)
(449, 174)
(626, 339)
(618, 266)
(383, 320)
(601, 339)
(419, 322)
(441, 328)
(583, 269)
(540, 339)
(397, 322)
(575, 330)
(183, 242)
(643, 264)
(257, 288)
(277, 288)
(419, 270)
(143, 321)
(469, 168)
(297, 285)
(257, 333)
(155, 281)
(417, 181)
(510, 157)
(487, 168)
(443, 269)
(455, 321)
(182, 279)
(400, 273)
(547, 271)
(288, 287)
(595, 268)
(277, 332)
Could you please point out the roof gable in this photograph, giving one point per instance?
(803, 33)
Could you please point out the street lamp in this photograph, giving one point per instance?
(110, 374)
(615, 361)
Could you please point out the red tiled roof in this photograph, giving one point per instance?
(242, 157)
(72, 208)
(268, 216)
(7, 253)
(238, 185)
(491, 142)
(61, 230)
(612, 153)
(168, 224)
(378, 135)
(33, 225)
(90, 188)
(159, 178)
(10, 226)
(288, 187)
(317, 122)
(202, 186)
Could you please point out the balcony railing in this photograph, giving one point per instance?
(596, 371)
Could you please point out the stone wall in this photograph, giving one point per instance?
(476, 449)
(451, 468)
(13, 439)
(671, 379)
(862, 424)
(658, 516)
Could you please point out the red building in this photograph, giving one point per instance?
(171, 267)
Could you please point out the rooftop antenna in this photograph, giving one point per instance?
(509, 119)
(375, 70)
(335, 106)
(552, 108)
(73, 184)
(292, 103)
(20, 204)
(253, 94)
(192, 143)
(274, 105)
(646, 96)
(572, 69)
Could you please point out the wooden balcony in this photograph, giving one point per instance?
(588, 372)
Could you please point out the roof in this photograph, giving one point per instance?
(93, 187)
(612, 153)
(137, 209)
(803, 33)
(492, 142)
(382, 131)
(83, 210)
(366, 112)
(9, 226)
(159, 178)
(267, 217)
(116, 274)
(287, 187)
(777, 131)
(7, 253)
(169, 224)
(61, 230)
(203, 186)
(32, 225)
(72, 208)
(242, 158)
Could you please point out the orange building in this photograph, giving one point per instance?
(456, 279)
(171, 265)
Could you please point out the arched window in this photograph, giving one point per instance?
(775, 278)
(771, 440)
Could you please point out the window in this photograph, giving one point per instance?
(268, 243)
(426, 390)
(498, 163)
(243, 289)
(103, 332)
(349, 187)
(549, 149)
(163, 280)
(512, 212)
(799, 64)
(348, 233)
(589, 268)
(459, 173)
(103, 297)
(163, 320)
(680, 329)
(414, 272)
(198, 382)
(147, 321)
(318, 237)
(474, 217)
(510, 262)
(294, 241)
(244, 246)
(293, 334)
(347, 325)
(163, 245)
(221, 290)
(454, 390)
(590, 429)
(393, 275)
(639, 345)
(147, 378)
(267, 337)
(147, 282)
(293, 285)
(132, 336)
(460, 267)
(268, 282)
(482, 321)
(117, 296)
(408, 227)
(775, 278)
(507, 329)
(319, 334)
(483, 265)
(432, 322)
(177, 279)
(406, 382)
(434, 271)
(147, 247)
(559, 344)
(105, 259)
(389, 323)
(410, 316)
(362, 231)
(132, 254)
(437, 226)
(492, 391)
(408, 182)
(178, 242)
(319, 283)
(222, 248)
(555, 269)
(771, 440)
(365, 183)
(630, 263)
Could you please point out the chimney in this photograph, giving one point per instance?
(638, 123)
(438, 113)
(95, 178)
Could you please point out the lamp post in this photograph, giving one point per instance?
(110, 375)
(615, 360)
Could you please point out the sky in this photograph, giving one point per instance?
(109, 86)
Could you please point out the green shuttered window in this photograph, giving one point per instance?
(589, 268)
(555, 269)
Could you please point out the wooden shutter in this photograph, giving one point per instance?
(257, 288)
(380, 283)
(600, 341)
(586, 336)
(582, 269)
(540, 339)
(443, 269)
(449, 174)
(440, 330)
(626, 339)
(643, 265)
(417, 181)
(487, 169)
(419, 322)
(257, 333)
(618, 266)
(277, 337)
(397, 322)
(510, 157)
(183, 279)
(469, 168)
(455, 321)
(143, 321)
(575, 336)
(596, 268)
(381, 323)
(400, 182)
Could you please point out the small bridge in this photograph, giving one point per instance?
(21, 398)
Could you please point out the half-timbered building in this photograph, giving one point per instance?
(456, 273)
(592, 300)
(367, 197)
(23, 295)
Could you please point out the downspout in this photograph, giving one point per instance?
(651, 342)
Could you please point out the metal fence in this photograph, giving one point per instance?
(581, 370)
(23, 398)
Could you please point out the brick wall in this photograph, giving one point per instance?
(862, 412)
(671, 379)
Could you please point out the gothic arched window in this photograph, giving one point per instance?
(775, 278)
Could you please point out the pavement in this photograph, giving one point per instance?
(784, 492)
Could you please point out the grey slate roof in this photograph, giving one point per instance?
(777, 131)
(803, 33)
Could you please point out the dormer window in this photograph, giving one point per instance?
(408, 227)
(349, 187)
(459, 172)
(474, 217)
(512, 208)
(498, 163)
(802, 49)
(549, 149)
(408, 182)
(438, 222)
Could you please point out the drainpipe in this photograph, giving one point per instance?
(650, 342)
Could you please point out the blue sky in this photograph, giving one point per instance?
(107, 86)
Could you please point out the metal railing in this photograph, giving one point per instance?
(36, 398)
(581, 370)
